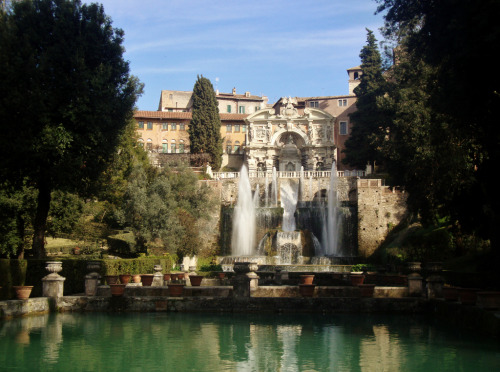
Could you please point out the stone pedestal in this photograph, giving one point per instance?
(53, 284)
(244, 280)
(415, 285)
(157, 277)
(435, 286)
(92, 279)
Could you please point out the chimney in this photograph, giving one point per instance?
(234, 91)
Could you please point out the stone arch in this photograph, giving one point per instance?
(277, 136)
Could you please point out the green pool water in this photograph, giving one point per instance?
(240, 342)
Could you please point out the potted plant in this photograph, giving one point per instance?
(23, 292)
(306, 279)
(111, 279)
(117, 289)
(136, 278)
(125, 278)
(195, 280)
(147, 279)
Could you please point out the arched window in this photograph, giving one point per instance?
(237, 147)
(149, 144)
(229, 147)
(181, 146)
(173, 147)
(164, 146)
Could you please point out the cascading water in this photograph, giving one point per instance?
(332, 219)
(274, 189)
(289, 194)
(243, 237)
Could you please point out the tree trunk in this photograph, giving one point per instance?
(40, 223)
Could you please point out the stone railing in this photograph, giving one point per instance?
(285, 174)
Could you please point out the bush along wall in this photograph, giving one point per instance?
(31, 272)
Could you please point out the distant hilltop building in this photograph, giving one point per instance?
(292, 133)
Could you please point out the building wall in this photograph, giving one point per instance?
(379, 209)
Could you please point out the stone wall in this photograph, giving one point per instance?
(379, 209)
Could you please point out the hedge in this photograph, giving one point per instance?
(31, 272)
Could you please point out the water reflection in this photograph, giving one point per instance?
(207, 342)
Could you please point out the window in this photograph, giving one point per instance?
(241, 109)
(243, 128)
(236, 147)
(150, 125)
(257, 108)
(229, 108)
(229, 147)
(149, 145)
(164, 146)
(342, 102)
(172, 147)
(141, 125)
(164, 126)
(173, 126)
(343, 128)
(181, 147)
(182, 126)
(228, 128)
(314, 104)
(237, 128)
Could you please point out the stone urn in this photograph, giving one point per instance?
(241, 268)
(23, 292)
(53, 267)
(93, 266)
(414, 267)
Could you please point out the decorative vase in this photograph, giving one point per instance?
(147, 279)
(357, 279)
(468, 296)
(136, 278)
(366, 290)
(111, 279)
(306, 279)
(125, 278)
(195, 280)
(117, 289)
(307, 290)
(175, 289)
(53, 267)
(23, 291)
(450, 293)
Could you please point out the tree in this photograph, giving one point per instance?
(453, 38)
(369, 122)
(204, 129)
(66, 97)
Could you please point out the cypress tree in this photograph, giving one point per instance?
(368, 120)
(204, 129)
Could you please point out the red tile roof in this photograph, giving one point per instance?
(181, 115)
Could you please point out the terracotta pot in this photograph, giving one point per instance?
(222, 275)
(117, 289)
(366, 290)
(136, 278)
(167, 277)
(147, 280)
(306, 279)
(125, 278)
(23, 291)
(111, 279)
(195, 280)
(357, 279)
(175, 290)
(450, 293)
(468, 296)
(76, 250)
(307, 290)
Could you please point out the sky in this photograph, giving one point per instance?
(275, 48)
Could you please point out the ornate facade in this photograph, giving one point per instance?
(289, 140)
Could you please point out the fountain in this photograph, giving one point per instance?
(305, 229)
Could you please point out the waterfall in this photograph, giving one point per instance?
(256, 197)
(244, 228)
(267, 191)
(332, 218)
(289, 194)
(274, 189)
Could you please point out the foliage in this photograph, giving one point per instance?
(210, 267)
(204, 129)
(16, 210)
(66, 87)
(122, 244)
(163, 210)
(450, 38)
(369, 122)
(65, 211)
